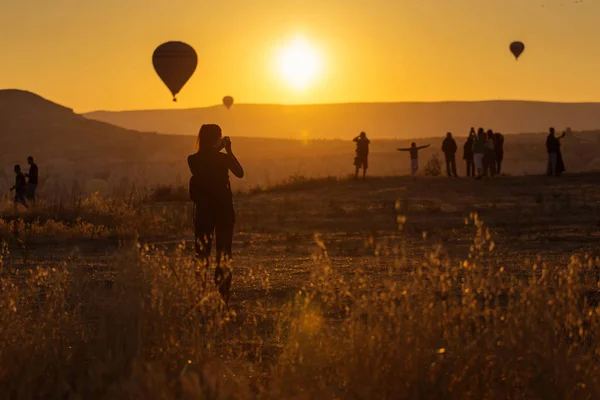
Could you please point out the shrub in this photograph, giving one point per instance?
(433, 166)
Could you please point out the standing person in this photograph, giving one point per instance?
(32, 177)
(468, 153)
(560, 164)
(362, 154)
(20, 187)
(499, 151)
(553, 148)
(489, 157)
(449, 148)
(210, 189)
(414, 157)
(478, 152)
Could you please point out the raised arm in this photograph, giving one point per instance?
(234, 166)
(407, 149)
(423, 147)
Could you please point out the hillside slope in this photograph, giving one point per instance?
(33, 125)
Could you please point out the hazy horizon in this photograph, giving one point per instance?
(218, 105)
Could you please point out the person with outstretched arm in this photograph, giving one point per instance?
(414, 157)
(362, 154)
(214, 214)
(449, 148)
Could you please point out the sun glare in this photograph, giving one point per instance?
(299, 63)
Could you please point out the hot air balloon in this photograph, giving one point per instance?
(228, 101)
(175, 63)
(517, 48)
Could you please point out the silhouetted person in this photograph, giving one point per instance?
(210, 189)
(489, 157)
(499, 148)
(362, 154)
(20, 187)
(449, 148)
(32, 177)
(468, 153)
(560, 164)
(478, 151)
(414, 157)
(554, 154)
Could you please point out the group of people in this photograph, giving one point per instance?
(483, 153)
(25, 184)
(361, 161)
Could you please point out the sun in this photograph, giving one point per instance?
(299, 63)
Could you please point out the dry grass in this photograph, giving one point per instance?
(147, 325)
(93, 217)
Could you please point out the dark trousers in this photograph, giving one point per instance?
(217, 225)
(470, 167)
(361, 161)
(20, 198)
(451, 164)
(489, 163)
(499, 158)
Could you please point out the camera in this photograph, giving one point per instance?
(225, 140)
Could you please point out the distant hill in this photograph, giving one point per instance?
(33, 125)
(380, 120)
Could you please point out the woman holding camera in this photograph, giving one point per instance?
(214, 216)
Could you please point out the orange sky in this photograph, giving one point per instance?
(92, 55)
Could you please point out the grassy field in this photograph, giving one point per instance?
(388, 288)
